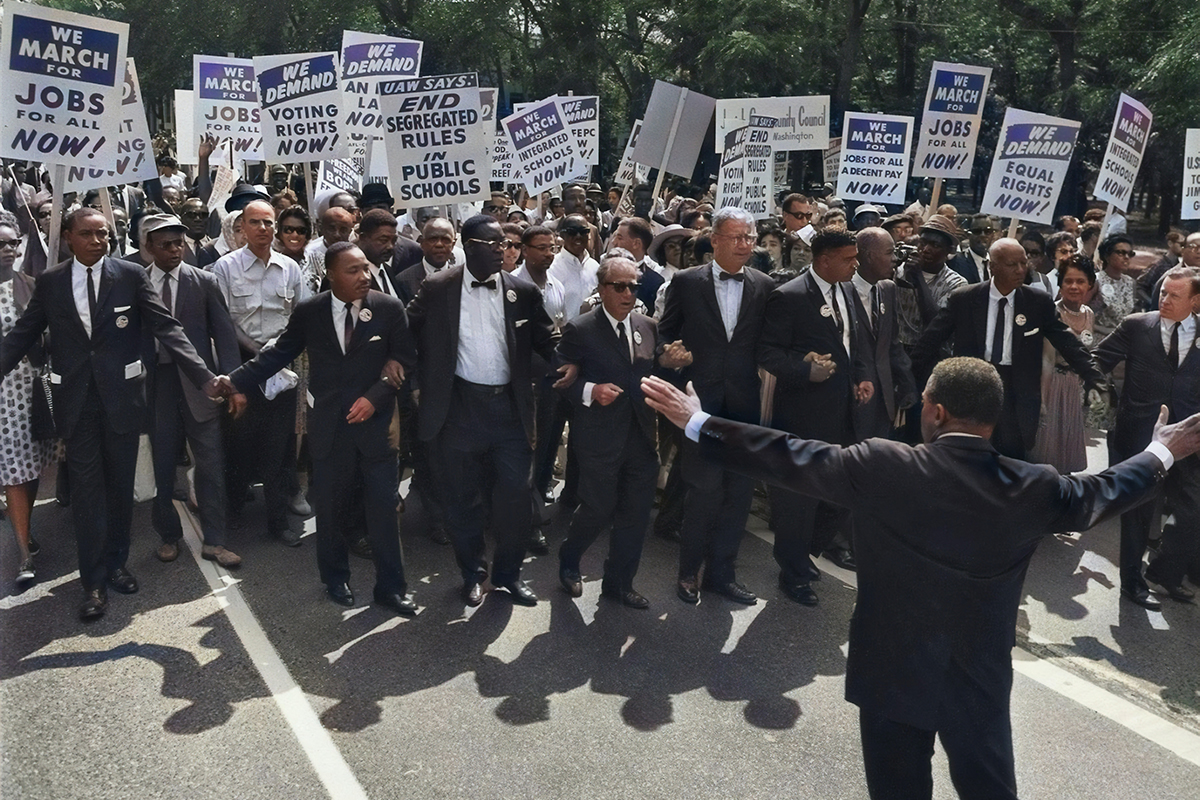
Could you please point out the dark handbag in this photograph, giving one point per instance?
(41, 415)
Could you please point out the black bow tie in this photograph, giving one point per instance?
(725, 276)
(489, 283)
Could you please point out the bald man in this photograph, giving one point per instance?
(1004, 322)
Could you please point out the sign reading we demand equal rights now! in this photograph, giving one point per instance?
(1030, 166)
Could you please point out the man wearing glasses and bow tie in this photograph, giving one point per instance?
(476, 329)
(715, 313)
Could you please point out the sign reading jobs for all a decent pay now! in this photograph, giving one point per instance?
(874, 165)
(1030, 166)
(61, 79)
(436, 142)
(226, 103)
(950, 125)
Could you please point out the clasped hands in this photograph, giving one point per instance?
(220, 388)
(822, 368)
(675, 356)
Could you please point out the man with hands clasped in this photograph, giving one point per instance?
(359, 347)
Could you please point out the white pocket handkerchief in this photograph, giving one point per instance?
(1032, 332)
(133, 369)
(375, 339)
(520, 322)
(119, 309)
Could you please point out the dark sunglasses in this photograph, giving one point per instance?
(620, 287)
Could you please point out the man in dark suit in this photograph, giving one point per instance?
(888, 366)
(194, 298)
(715, 313)
(972, 263)
(95, 308)
(437, 248)
(810, 343)
(940, 573)
(476, 330)
(1162, 368)
(1003, 321)
(352, 335)
(634, 234)
(613, 432)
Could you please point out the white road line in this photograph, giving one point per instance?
(1146, 724)
(326, 759)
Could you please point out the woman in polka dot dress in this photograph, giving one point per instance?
(22, 459)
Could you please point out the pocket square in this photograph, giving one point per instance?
(520, 322)
(133, 369)
(1032, 332)
(375, 339)
(119, 309)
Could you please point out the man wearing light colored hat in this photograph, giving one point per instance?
(194, 298)
(867, 216)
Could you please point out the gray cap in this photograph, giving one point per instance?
(160, 222)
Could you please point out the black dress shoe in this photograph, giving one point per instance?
(522, 595)
(288, 536)
(94, 604)
(122, 581)
(34, 547)
(340, 593)
(572, 581)
(1142, 597)
(437, 535)
(732, 591)
(400, 603)
(687, 591)
(538, 543)
(1175, 591)
(628, 597)
(472, 594)
(802, 593)
(842, 557)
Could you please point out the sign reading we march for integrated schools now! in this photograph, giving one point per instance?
(543, 144)
(436, 143)
(302, 107)
(367, 59)
(874, 165)
(950, 124)
(135, 154)
(226, 103)
(61, 77)
(1029, 167)
(1123, 159)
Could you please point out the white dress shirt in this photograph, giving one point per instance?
(864, 289)
(552, 295)
(993, 303)
(482, 343)
(578, 279)
(79, 278)
(729, 297)
(431, 270)
(616, 324)
(338, 307)
(1187, 335)
(381, 279)
(981, 264)
(840, 298)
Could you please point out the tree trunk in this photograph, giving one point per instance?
(848, 60)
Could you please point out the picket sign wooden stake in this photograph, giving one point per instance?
(60, 180)
(1108, 210)
(1012, 228)
(308, 187)
(934, 199)
(107, 207)
(662, 170)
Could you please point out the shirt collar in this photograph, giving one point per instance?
(994, 293)
(78, 265)
(716, 270)
(159, 274)
(340, 305)
(431, 268)
(822, 284)
(861, 283)
(1186, 325)
(613, 320)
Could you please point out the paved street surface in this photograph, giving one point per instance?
(209, 684)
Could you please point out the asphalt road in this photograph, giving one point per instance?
(209, 684)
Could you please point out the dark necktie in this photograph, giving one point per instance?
(874, 301)
(381, 282)
(623, 338)
(91, 298)
(348, 326)
(490, 283)
(837, 313)
(739, 277)
(998, 332)
(1173, 350)
(166, 293)
(987, 275)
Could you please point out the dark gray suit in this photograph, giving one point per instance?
(1151, 382)
(178, 405)
(888, 366)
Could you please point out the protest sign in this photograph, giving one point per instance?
(496, 145)
(803, 121)
(434, 139)
(583, 118)
(1029, 166)
(626, 171)
(543, 145)
(367, 59)
(874, 165)
(781, 169)
(226, 103)
(832, 159)
(135, 155)
(673, 129)
(61, 76)
(745, 179)
(1191, 176)
(301, 105)
(731, 174)
(1123, 158)
(950, 124)
(223, 185)
(338, 173)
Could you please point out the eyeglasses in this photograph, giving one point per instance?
(495, 244)
(1123, 253)
(799, 214)
(621, 288)
(13, 243)
(492, 209)
(293, 229)
(545, 248)
(744, 238)
(259, 223)
(509, 245)
(575, 232)
(1192, 246)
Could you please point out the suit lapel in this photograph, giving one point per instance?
(108, 276)
(510, 311)
(1190, 357)
(362, 327)
(454, 306)
(819, 301)
(979, 315)
(66, 286)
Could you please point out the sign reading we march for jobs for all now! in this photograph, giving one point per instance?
(874, 165)
(61, 78)
(950, 124)
(226, 103)
(1029, 167)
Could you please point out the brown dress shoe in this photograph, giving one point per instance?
(217, 553)
(167, 551)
